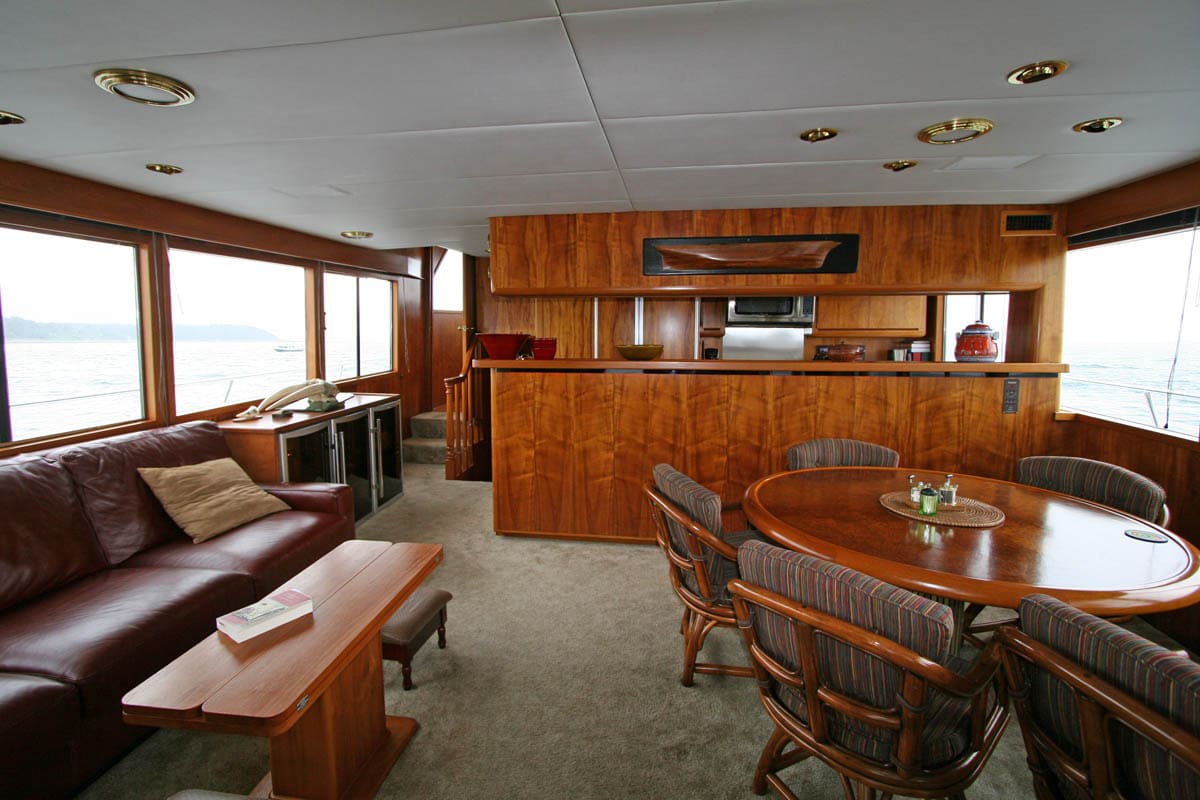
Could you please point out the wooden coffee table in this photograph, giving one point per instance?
(314, 686)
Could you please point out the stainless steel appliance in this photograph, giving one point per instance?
(760, 311)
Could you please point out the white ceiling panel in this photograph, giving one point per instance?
(55, 32)
(418, 119)
(850, 199)
(469, 77)
(470, 152)
(400, 195)
(745, 56)
(1157, 122)
(1052, 175)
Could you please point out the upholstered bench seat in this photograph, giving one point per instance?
(421, 614)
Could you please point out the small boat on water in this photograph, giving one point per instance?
(289, 348)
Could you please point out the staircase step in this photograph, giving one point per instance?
(429, 425)
(419, 450)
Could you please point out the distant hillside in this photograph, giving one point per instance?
(16, 328)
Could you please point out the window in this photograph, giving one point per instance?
(71, 335)
(965, 309)
(358, 326)
(1131, 332)
(448, 283)
(237, 327)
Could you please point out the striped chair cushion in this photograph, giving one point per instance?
(1166, 682)
(704, 506)
(921, 624)
(1097, 481)
(840, 453)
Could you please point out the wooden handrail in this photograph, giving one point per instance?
(468, 414)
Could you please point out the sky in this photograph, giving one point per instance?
(1134, 291)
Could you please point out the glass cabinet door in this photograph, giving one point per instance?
(352, 446)
(307, 455)
(389, 478)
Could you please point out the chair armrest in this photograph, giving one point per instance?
(330, 498)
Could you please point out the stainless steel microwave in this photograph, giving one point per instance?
(779, 311)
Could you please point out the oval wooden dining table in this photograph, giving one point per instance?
(1051, 543)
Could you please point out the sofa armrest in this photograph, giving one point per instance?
(330, 498)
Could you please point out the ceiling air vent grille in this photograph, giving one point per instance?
(1025, 223)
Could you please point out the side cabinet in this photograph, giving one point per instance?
(358, 445)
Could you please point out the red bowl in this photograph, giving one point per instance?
(502, 346)
(544, 348)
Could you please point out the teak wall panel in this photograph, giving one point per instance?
(579, 446)
(672, 324)
(924, 249)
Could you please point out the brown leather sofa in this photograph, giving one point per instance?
(99, 589)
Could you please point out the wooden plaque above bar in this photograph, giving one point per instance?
(740, 255)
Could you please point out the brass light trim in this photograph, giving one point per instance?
(1037, 72)
(9, 118)
(1098, 125)
(357, 234)
(164, 169)
(114, 80)
(963, 130)
(818, 134)
(901, 165)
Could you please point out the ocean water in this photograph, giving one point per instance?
(1128, 382)
(57, 386)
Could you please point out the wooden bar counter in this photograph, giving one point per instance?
(574, 440)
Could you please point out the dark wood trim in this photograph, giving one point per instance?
(1159, 194)
(39, 189)
(427, 394)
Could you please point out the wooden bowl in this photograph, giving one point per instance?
(640, 352)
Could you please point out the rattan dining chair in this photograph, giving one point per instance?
(701, 559)
(859, 674)
(840, 453)
(1104, 712)
(1099, 482)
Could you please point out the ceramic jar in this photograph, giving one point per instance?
(977, 342)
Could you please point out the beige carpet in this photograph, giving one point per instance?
(561, 680)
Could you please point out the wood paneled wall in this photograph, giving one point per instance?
(1170, 191)
(572, 450)
(545, 270)
(913, 249)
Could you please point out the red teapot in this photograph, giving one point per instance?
(977, 342)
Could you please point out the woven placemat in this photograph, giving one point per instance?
(965, 513)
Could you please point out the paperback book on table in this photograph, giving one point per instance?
(267, 614)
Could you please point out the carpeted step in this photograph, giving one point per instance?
(429, 425)
(423, 450)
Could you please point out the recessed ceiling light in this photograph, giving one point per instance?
(9, 118)
(357, 234)
(954, 131)
(1038, 71)
(818, 134)
(165, 169)
(1098, 125)
(147, 88)
(899, 166)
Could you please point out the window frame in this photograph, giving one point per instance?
(397, 326)
(1147, 228)
(311, 356)
(147, 254)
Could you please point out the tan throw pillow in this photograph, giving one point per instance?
(210, 498)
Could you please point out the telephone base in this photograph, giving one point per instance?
(322, 404)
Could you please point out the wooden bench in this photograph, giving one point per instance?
(421, 614)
